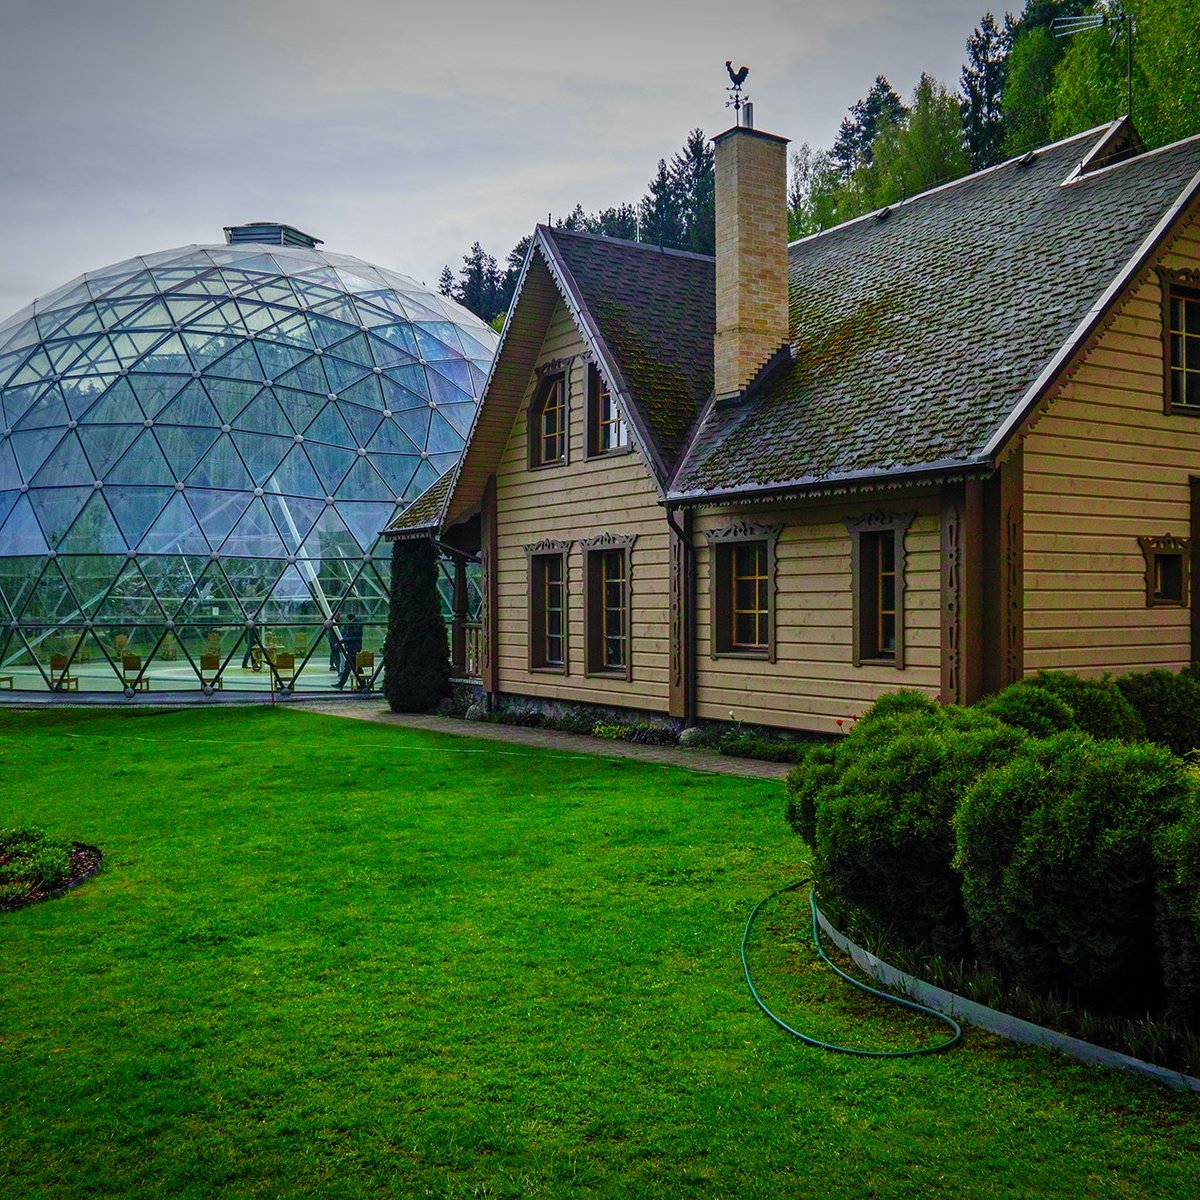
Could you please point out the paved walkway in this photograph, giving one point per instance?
(550, 739)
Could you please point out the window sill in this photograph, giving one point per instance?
(620, 674)
(617, 452)
(879, 662)
(756, 655)
(1182, 410)
(550, 670)
(542, 466)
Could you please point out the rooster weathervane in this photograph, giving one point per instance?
(737, 78)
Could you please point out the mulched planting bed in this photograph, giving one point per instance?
(85, 862)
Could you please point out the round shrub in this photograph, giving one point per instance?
(882, 838)
(1030, 707)
(1168, 705)
(1099, 707)
(812, 773)
(1057, 860)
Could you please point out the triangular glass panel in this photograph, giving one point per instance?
(221, 467)
(47, 410)
(415, 424)
(81, 394)
(211, 600)
(386, 354)
(252, 580)
(118, 404)
(7, 500)
(366, 521)
(479, 376)
(355, 349)
(56, 508)
(293, 518)
(255, 535)
(18, 575)
(427, 474)
(438, 341)
(400, 336)
(50, 602)
(362, 483)
(153, 391)
(331, 537)
(443, 438)
(309, 376)
(190, 407)
(176, 531)
(474, 347)
(291, 599)
(390, 439)
(362, 421)
(295, 476)
(36, 370)
(342, 374)
(136, 509)
(263, 415)
(293, 330)
(217, 512)
(131, 347)
(169, 356)
(184, 308)
(62, 353)
(326, 332)
(90, 577)
(329, 427)
(104, 445)
(441, 463)
(300, 408)
(83, 321)
(68, 464)
(339, 308)
(277, 359)
(239, 363)
(143, 463)
(94, 531)
(184, 447)
(261, 453)
(205, 347)
(10, 476)
(459, 416)
(230, 396)
(411, 379)
(16, 401)
(366, 392)
(131, 600)
(172, 577)
(396, 470)
(33, 448)
(371, 596)
(258, 317)
(331, 464)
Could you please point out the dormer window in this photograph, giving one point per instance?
(1181, 312)
(548, 421)
(607, 430)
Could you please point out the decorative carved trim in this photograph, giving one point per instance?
(743, 531)
(608, 541)
(1152, 547)
(554, 366)
(879, 522)
(1188, 276)
(548, 546)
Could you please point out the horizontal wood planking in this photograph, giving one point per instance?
(581, 499)
(813, 682)
(1103, 466)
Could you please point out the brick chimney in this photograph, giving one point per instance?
(751, 226)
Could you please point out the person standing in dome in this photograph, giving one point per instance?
(351, 643)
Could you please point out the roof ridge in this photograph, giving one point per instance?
(647, 246)
(952, 183)
(1133, 158)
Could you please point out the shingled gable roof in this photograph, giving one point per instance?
(646, 315)
(923, 335)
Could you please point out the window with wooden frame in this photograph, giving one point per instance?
(1181, 341)
(608, 432)
(607, 570)
(1166, 570)
(742, 574)
(548, 606)
(548, 419)
(877, 560)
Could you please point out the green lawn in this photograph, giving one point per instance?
(329, 959)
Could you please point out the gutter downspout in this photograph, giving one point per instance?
(687, 601)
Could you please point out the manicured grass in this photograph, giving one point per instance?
(333, 959)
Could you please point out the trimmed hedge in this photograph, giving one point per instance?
(1098, 705)
(1056, 850)
(1028, 706)
(877, 811)
(1168, 705)
(416, 656)
(1177, 855)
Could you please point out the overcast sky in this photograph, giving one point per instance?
(397, 131)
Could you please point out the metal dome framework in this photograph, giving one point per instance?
(198, 450)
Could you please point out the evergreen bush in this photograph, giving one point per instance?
(881, 811)
(1099, 707)
(416, 656)
(1168, 705)
(1030, 707)
(1177, 860)
(1056, 851)
(815, 771)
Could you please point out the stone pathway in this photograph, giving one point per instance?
(549, 739)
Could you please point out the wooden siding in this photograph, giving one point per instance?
(1103, 466)
(581, 499)
(813, 681)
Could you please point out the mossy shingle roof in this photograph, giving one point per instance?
(917, 334)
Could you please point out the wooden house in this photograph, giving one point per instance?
(940, 447)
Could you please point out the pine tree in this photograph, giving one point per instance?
(446, 283)
(416, 657)
(693, 181)
(868, 119)
(661, 218)
(983, 79)
(479, 283)
(618, 222)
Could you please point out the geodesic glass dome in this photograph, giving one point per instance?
(198, 450)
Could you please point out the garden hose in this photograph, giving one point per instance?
(862, 987)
